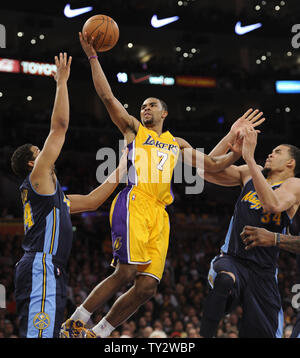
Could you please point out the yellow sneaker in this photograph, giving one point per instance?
(73, 329)
(89, 333)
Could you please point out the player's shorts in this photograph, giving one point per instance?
(296, 329)
(256, 290)
(140, 231)
(40, 291)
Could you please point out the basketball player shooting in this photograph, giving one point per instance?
(139, 221)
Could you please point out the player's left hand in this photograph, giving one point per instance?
(257, 236)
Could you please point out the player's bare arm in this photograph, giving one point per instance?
(42, 176)
(93, 200)
(233, 175)
(286, 197)
(205, 162)
(256, 236)
(127, 124)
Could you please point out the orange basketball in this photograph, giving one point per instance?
(104, 30)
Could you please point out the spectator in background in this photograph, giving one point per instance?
(158, 334)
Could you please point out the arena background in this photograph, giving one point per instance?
(232, 73)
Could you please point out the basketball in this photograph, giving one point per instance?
(104, 30)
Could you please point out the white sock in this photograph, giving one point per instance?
(82, 314)
(103, 328)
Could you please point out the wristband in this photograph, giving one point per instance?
(277, 236)
(90, 57)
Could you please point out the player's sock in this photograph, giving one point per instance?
(103, 328)
(82, 314)
(215, 305)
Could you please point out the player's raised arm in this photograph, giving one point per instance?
(205, 162)
(273, 201)
(59, 125)
(233, 175)
(249, 119)
(123, 120)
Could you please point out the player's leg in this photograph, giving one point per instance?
(262, 312)
(36, 296)
(126, 305)
(224, 280)
(149, 275)
(124, 274)
(129, 241)
(74, 326)
(23, 285)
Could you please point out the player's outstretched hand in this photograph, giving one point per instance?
(248, 119)
(87, 45)
(63, 65)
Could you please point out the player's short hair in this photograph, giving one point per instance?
(163, 104)
(20, 158)
(295, 154)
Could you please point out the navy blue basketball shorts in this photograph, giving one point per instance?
(40, 292)
(256, 290)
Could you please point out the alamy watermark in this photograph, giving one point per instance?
(155, 165)
(2, 296)
(296, 298)
(296, 37)
(2, 36)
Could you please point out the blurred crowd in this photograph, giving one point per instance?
(197, 232)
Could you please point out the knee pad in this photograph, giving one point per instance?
(223, 283)
(215, 304)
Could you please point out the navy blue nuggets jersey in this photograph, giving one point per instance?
(248, 211)
(47, 222)
(40, 276)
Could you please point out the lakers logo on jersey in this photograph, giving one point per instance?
(160, 145)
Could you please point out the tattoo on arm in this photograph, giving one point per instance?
(290, 243)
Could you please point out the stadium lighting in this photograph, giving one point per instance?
(287, 86)
(122, 77)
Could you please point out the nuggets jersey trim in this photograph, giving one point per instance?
(151, 162)
(248, 211)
